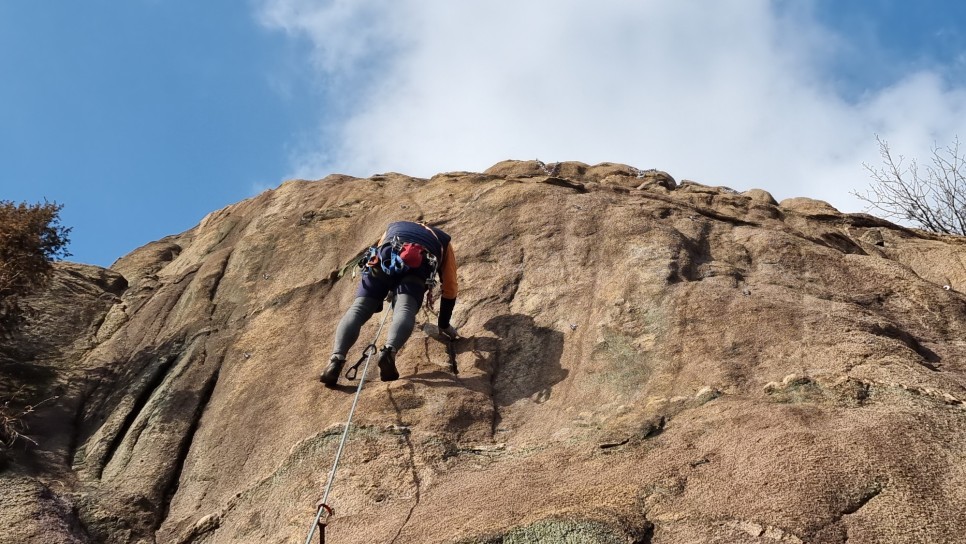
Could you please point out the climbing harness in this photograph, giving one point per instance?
(395, 257)
(323, 507)
(389, 257)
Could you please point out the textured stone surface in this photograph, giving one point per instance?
(643, 361)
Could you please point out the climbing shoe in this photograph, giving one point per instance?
(387, 364)
(331, 373)
(450, 332)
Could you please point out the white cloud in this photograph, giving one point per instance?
(729, 92)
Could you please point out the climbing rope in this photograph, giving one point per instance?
(319, 523)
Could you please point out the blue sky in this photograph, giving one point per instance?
(143, 116)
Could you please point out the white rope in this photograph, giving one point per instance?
(345, 432)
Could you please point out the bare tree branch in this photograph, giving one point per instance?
(935, 202)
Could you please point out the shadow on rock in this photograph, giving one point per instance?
(523, 359)
(25, 382)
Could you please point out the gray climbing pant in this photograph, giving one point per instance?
(403, 322)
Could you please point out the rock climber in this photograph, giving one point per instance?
(405, 261)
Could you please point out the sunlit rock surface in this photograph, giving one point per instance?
(645, 360)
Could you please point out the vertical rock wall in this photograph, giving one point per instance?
(643, 361)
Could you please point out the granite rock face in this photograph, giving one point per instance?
(644, 360)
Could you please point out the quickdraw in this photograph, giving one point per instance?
(353, 371)
(433, 278)
(329, 512)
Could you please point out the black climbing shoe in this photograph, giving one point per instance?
(331, 373)
(387, 364)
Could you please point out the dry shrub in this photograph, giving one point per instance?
(12, 424)
(932, 196)
(31, 237)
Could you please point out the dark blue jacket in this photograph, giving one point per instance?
(407, 231)
(436, 242)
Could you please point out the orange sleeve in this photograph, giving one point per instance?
(448, 272)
